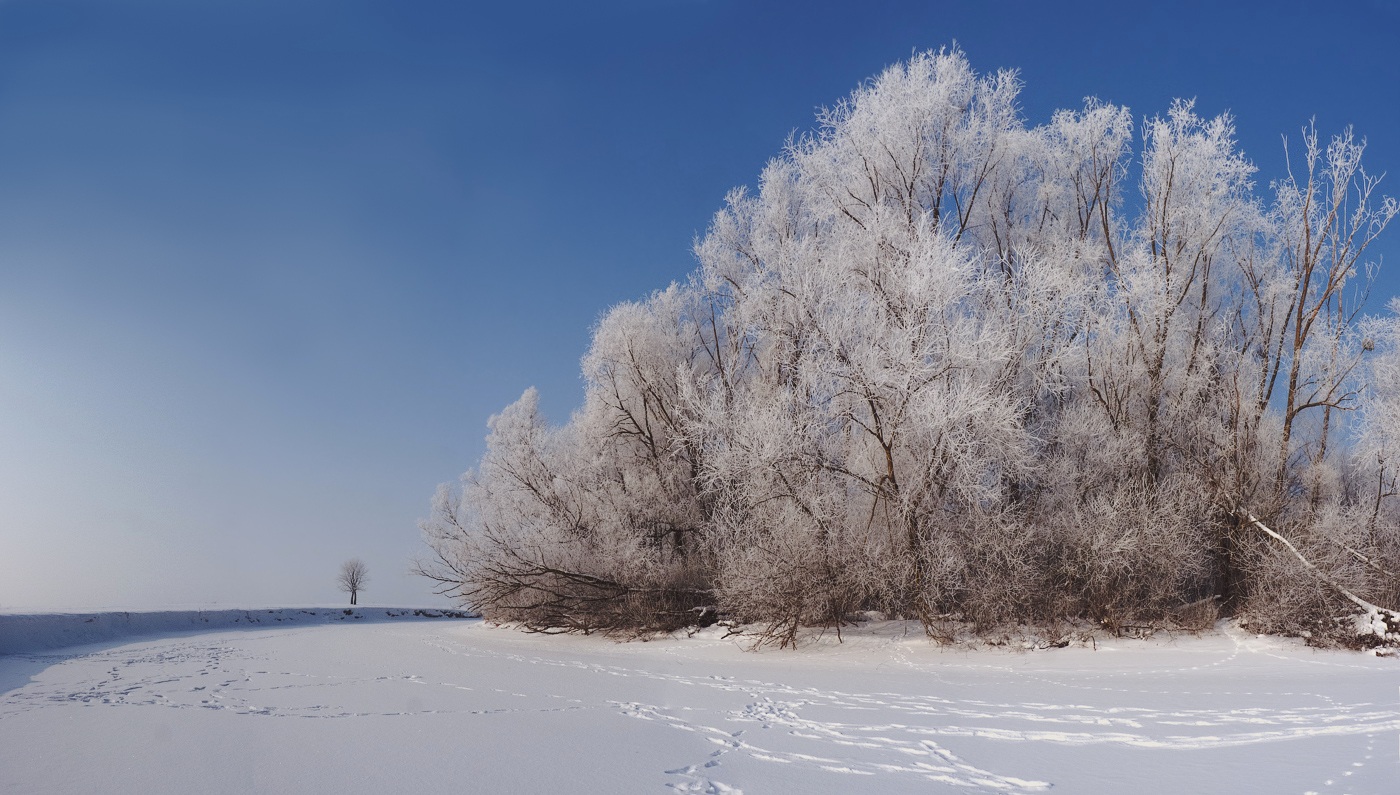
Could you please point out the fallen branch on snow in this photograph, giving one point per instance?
(1373, 619)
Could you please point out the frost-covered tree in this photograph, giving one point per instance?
(353, 577)
(945, 365)
(1377, 447)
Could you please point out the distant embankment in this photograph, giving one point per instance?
(34, 632)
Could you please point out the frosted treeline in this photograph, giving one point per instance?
(945, 366)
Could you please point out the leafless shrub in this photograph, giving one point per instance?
(986, 569)
(1131, 557)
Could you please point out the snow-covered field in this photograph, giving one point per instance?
(460, 706)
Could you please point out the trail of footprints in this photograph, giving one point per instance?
(781, 707)
(835, 726)
(204, 676)
(1338, 783)
(835, 732)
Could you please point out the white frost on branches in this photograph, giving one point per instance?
(943, 364)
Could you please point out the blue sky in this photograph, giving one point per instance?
(266, 269)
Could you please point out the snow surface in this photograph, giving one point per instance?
(462, 706)
(39, 631)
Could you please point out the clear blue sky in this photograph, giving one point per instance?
(266, 269)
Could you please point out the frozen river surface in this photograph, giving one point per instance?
(460, 706)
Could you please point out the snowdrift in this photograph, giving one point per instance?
(24, 633)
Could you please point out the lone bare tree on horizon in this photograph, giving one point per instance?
(354, 575)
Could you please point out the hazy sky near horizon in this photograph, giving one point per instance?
(266, 268)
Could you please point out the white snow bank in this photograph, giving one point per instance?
(25, 633)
